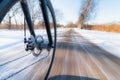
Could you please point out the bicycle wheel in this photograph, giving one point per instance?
(5, 6)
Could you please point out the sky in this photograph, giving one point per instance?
(108, 11)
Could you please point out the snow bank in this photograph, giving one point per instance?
(106, 40)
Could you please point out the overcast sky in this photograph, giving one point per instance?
(107, 11)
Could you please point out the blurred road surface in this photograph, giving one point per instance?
(76, 59)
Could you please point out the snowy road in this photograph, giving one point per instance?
(76, 59)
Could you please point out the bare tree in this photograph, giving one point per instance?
(86, 11)
(8, 20)
(12, 14)
(35, 11)
(34, 5)
(16, 10)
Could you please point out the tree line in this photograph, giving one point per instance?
(15, 18)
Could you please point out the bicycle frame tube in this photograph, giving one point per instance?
(46, 20)
(28, 17)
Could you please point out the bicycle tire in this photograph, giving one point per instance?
(5, 7)
(55, 39)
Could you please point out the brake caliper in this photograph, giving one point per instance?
(30, 44)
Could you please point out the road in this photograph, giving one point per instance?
(76, 59)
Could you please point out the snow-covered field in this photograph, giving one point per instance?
(106, 40)
(10, 38)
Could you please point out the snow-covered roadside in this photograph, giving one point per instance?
(9, 38)
(107, 41)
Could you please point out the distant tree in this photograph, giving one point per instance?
(87, 10)
(60, 25)
(71, 25)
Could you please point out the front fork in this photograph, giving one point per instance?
(46, 20)
(26, 12)
(27, 15)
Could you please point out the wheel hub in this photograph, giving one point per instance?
(36, 45)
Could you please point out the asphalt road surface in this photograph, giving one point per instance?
(76, 59)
